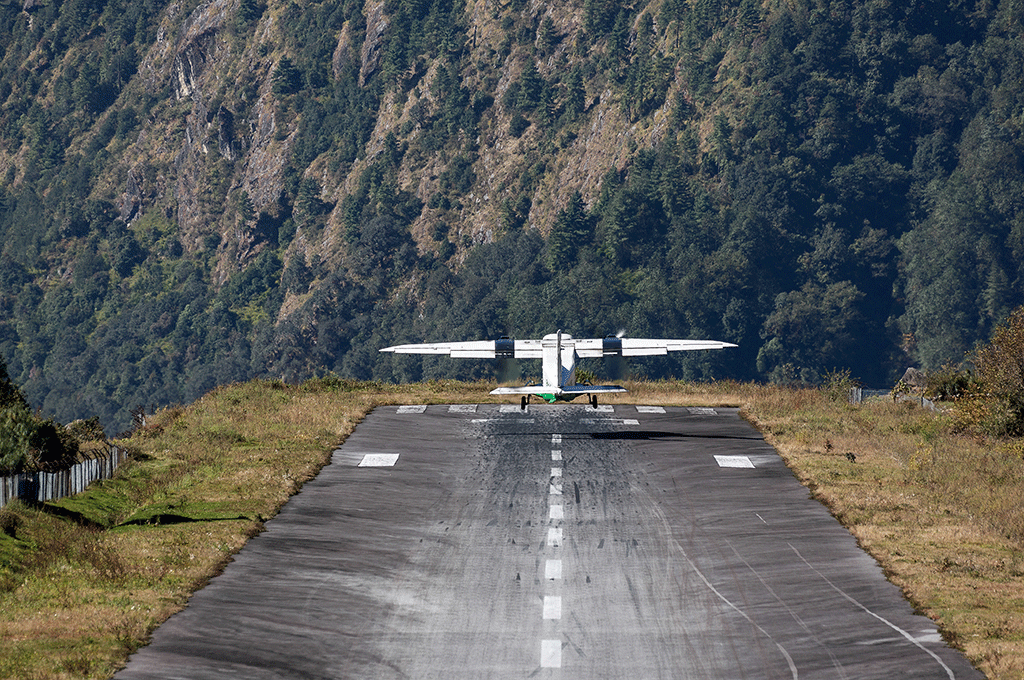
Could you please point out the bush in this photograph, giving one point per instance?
(949, 383)
(29, 443)
(838, 384)
(999, 391)
(89, 430)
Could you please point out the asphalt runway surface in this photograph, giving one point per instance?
(485, 542)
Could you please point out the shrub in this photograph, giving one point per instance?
(949, 383)
(999, 369)
(838, 384)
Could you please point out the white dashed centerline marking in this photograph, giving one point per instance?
(553, 570)
(550, 653)
(554, 537)
(419, 408)
(556, 439)
(462, 408)
(556, 455)
(556, 512)
(556, 472)
(650, 409)
(555, 489)
(552, 607)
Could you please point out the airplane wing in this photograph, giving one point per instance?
(640, 347)
(476, 349)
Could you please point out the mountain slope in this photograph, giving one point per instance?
(200, 193)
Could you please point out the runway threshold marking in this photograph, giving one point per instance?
(650, 409)
(610, 421)
(462, 408)
(416, 408)
(734, 461)
(378, 460)
(702, 411)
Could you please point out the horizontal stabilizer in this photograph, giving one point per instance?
(557, 391)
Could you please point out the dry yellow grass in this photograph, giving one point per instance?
(939, 512)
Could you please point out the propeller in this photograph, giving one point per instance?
(615, 366)
(509, 370)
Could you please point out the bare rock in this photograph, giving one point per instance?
(373, 45)
(915, 378)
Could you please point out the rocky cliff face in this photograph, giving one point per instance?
(220, 132)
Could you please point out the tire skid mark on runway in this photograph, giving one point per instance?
(836, 664)
(908, 636)
(795, 673)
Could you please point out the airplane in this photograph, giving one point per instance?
(559, 353)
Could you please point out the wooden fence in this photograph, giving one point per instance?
(48, 486)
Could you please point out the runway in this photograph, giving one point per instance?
(479, 541)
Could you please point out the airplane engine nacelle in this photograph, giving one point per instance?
(505, 348)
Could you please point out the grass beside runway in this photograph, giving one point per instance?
(83, 582)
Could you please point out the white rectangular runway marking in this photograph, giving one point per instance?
(462, 408)
(556, 439)
(734, 462)
(703, 411)
(556, 512)
(556, 455)
(556, 472)
(553, 570)
(601, 408)
(650, 409)
(510, 408)
(556, 490)
(550, 653)
(416, 408)
(610, 421)
(379, 460)
(554, 537)
(552, 607)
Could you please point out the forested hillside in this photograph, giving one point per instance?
(195, 194)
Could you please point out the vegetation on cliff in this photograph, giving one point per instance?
(200, 193)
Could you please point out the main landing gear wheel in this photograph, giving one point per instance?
(523, 402)
(593, 400)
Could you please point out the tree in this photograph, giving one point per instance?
(571, 231)
(287, 77)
